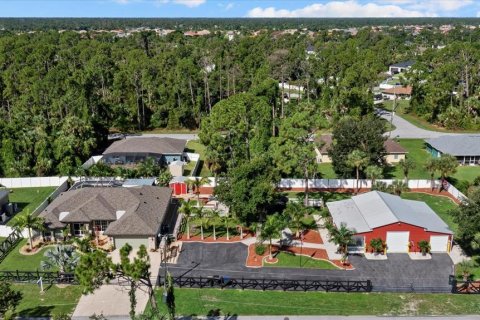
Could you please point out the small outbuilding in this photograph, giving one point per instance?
(400, 223)
(400, 67)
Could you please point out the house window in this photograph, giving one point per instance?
(78, 229)
(395, 156)
(100, 225)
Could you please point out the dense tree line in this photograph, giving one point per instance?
(227, 23)
(62, 92)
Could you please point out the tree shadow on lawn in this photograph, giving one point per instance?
(39, 311)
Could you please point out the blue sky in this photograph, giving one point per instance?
(239, 8)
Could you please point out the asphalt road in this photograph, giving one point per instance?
(404, 129)
(397, 273)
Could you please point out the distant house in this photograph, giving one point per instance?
(132, 151)
(397, 93)
(400, 223)
(394, 152)
(310, 50)
(132, 215)
(400, 67)
(465, 148)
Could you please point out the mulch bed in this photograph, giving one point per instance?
(256, 261)
(311, 236)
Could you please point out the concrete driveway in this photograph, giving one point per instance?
(397, 273)
(112, 300)
(404, 129)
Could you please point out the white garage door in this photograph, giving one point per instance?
(438, 243)
(397, 241)
(134, 242)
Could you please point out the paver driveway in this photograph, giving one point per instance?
(397, 273)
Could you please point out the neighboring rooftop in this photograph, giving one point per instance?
(464, 145)
(133, 211)
(391, 146)
(374, 209)
(398, 90)
(147, 145)
(403, 64)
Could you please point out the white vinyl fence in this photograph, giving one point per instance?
(364, 183)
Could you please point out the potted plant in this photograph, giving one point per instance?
(424, 246)
(465, 269)
(377, 245)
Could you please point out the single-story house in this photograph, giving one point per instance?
(398, 92)
(400, 67)
(466, 148)
(400, 223)
(394, 152)
(132, 151)
(132, 215)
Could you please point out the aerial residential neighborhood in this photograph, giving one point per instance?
(239, 160)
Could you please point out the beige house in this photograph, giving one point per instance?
(394, 152)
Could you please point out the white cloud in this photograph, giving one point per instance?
(229, 6)
(351, 8)
(429, 5)
(190, 3)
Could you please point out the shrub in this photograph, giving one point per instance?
(424, 246)
(377, 244)
(259, 249)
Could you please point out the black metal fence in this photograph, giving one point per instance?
(9, 243)
(34, 276)
(270, 284)
(465, 287)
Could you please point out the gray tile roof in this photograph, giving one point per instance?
(147, 145)
(145, 208)
(374, 209)
(403, 64)
(464, 145)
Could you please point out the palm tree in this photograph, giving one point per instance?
(187, 210)
(213, 162)
(357, 160)
(447, 165)
(272, 228)
(195, 185)
(226, 220)
(212, 216)
(342, 237)
(397, 187)
(406, 165)
(295, 211)
(148, 168)
(30, 222)
(65, 258)
(431, 166)
(200, 214)
(373, 173)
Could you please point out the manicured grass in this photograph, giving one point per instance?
(17, 261)
(468, 173)
(52, 301)
(290, 260)
(326, 171)
(249, 302)
(441, 205)
(28, 199)
(197, 147)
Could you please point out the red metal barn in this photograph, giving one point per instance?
(400, 223)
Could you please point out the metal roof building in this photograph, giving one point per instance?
(398, 222)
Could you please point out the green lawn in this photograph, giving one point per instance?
(17, 261)
(441, 205)
(249, 302)
(52, 301)
(290, 260)
(29, 199)
(417, 152)
(197, 147)
(326, 171)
